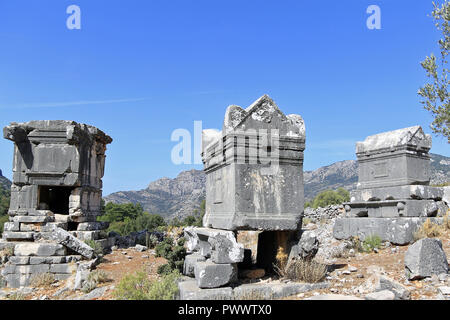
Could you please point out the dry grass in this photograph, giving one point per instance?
(429, 230)
(94, 279)
(303, 270)
(42, 280)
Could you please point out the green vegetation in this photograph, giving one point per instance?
(137, 286)
(94, 279)
(435, 94)
(370, 243)
(98, 249)
(195, 220)
(174, 254)
(329, 197)
(128, 217)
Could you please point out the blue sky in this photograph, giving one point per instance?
(138, 70)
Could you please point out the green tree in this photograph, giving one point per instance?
(435, 94)
(128, 217)
(330, 197)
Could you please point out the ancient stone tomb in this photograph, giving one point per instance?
(393, 196)
(254, 193)
(55, 196)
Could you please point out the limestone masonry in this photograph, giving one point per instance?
(55, 197)
(254, 195)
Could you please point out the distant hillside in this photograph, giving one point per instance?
(167, 197)
(182, 195)
(4, 182)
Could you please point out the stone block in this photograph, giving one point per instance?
(425, 258)
(189, 290)
(17, 236)
(189, 263)
(47, 260)
(68, 268)
(65, 238)
(39, 249)
(417, 192)
(19, 260)
(398, 231)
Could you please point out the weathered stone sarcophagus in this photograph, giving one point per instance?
(254, 194)
(394, 176)
(55, 196)
(254, 169)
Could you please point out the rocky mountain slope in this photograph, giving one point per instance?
(168, 197)
(182, 195)
(4, 182)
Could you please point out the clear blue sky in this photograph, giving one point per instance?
(140, 69)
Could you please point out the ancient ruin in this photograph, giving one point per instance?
(254, 194)
(393, 196)
(55, 197)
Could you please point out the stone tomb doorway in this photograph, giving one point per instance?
(55, 199)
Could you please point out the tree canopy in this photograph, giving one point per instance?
(435, 94)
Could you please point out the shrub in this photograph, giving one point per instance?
(42, 280)
(330, 197)
(165, 288)
(137, 286)
(306, 270)
(94, 279)
(133, 287)
(128, 217)
(151, 240)
(98, 249)
(16, 296)
(370, 243)
(3, 219)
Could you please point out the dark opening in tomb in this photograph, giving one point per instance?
(55, 199)
(273, 249)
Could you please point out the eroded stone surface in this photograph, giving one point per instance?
(254, 169)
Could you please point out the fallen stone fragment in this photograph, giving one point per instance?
(425, 258)
(141, 248)
(380, 295)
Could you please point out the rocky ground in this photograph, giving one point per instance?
(352, 274)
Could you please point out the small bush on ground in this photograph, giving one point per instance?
(329, 197)
(94, 279)
(174, 254)
(42, 280)
(304, 270)
(165, 288)
(98, 249)
(137, 286)
(371, 242)
(16, 296)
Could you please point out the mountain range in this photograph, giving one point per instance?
(4, 182)
(182, 195)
